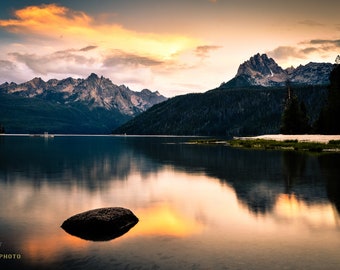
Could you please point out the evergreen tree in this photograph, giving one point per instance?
(2, 129)
(328, 122)
(294, 117)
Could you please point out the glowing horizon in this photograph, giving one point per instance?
(173, 47)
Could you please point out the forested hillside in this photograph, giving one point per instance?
(224, 112)
(33, 115)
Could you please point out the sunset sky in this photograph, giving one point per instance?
(175, 46)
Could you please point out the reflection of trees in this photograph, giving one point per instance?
(302, 177)
(330, 169)
(258, 177)
(294, 166)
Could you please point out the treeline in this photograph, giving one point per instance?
(295, 119)
(224, 112)
(34, 115)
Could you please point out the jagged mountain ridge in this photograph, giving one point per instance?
(90, 106)
(94, 92)
(260, 70)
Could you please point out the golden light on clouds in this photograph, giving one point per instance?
(46, 20)
(68, 26)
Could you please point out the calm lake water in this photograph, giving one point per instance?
(199, 207)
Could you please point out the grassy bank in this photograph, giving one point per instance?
(288, 145)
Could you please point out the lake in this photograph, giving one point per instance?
(199, 206)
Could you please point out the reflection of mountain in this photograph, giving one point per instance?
(91, 161)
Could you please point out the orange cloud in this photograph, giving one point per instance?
(66, 26)
(42, 19)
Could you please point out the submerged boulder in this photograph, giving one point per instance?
(101, 224)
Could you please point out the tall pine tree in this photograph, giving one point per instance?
(294, 117)
(329, 119)
(2, 129)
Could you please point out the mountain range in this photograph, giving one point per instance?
(91, 105)
(249, 104)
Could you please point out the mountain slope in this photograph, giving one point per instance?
(234, 112)
(33, 115)
(91, 105)
(249, 104)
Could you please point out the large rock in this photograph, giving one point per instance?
(101, 224)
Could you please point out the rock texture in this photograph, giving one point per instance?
(101, 224)
(93, 92)
(81, 106)
(260, 70)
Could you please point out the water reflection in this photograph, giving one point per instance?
(164, 219)
(198, 206)
(329, 165)
(312, 216)
(258, 177)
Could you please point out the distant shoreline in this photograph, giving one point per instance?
(318, 138)
(306, 143)
(96, 135)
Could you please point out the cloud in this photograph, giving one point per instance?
(123, 58)
(9, 72)
(203, 51)
(88, 48)
(310, 23)
(335, 43)
(57, 62)
(47, 20)
(303, 50)
(309, 50)
(53, 41)
(285, 52)
(6, 65)
(62, 25)
(323, 46)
